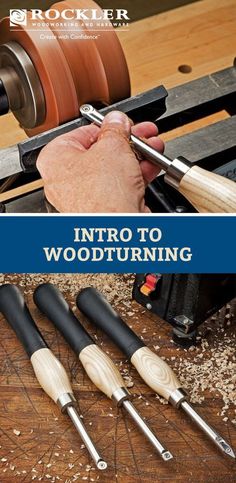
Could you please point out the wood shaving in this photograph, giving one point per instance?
(116, 288)
(212, 368)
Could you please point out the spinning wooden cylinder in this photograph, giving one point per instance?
(46, 76)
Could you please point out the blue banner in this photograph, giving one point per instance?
(118, 244)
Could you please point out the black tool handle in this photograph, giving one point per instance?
(51, 302)
(94, 305)
(16, 312)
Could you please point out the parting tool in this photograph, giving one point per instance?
(99, 367)
(49, 371)
(152, 369)
(208, 192)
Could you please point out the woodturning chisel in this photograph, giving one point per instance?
(49, 371)
(208, 192)
(153, 370)
(99, 367)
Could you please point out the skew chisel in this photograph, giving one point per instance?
(49, 371)
(153, 370)
(207, 192)
(99, 367)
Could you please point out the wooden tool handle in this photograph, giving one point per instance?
(101, 370)
(51, 374)
(155, 372)
(208, 192)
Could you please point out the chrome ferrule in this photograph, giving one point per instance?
(66, 400)
(120, 395)
(176, 170)
(177, 397)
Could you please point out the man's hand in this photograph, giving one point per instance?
(94, 170)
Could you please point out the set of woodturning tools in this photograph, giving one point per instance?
(102, 371)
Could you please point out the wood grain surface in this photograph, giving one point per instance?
(16, 192)
(100, 370)
(49, 448)
(200, 188)
(155, 372)
(200, 35)
(50, 373)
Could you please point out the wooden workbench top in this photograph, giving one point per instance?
(201, 36)
(38, 443)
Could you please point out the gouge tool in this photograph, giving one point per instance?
(99, 367)
(208, 192)
(152, 369)
(49, 371)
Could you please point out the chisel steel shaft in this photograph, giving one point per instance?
(75, 418)
(211, 433)
(166, 455)
(157, 158)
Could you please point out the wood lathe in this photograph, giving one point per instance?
(45, 82)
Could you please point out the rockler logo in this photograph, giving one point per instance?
(19, 17)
